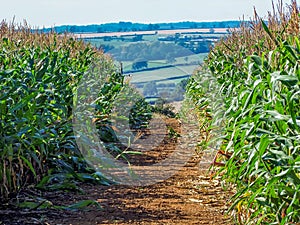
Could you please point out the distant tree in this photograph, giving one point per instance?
(106, 48)
(170, 59)
(140, 65)
(186, 59)
(150, 27)
(178, 93)
(142, 51)
(156, 27)
(194, 25)
(183, 83)
(100, 30)
(137, 37)
(155, 53)
(73, 29)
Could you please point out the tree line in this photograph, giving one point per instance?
(129, 26)
(140, 52)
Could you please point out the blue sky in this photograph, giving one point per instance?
(57, 12)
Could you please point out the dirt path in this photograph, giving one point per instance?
(189, 197)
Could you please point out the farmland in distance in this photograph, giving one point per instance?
(157, 62)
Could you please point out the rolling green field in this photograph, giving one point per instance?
(165, 78)
(193, 60)
(163, 74)
(97, 42)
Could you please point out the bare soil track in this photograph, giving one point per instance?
(189, 197)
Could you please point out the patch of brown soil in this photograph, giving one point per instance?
(189, 197)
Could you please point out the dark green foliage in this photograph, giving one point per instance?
(142, 52)
(161, 107)
(140, 65)
(140, 114)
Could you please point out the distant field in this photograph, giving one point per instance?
(115, 43)
(169, 77)
(163, 74)
(195, 59)
(182, 69)
(158, 32)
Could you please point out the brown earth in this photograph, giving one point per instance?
(188, 197)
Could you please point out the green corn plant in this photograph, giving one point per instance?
(39, 76)
(257, 68)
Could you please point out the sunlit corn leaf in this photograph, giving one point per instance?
(43, 204)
